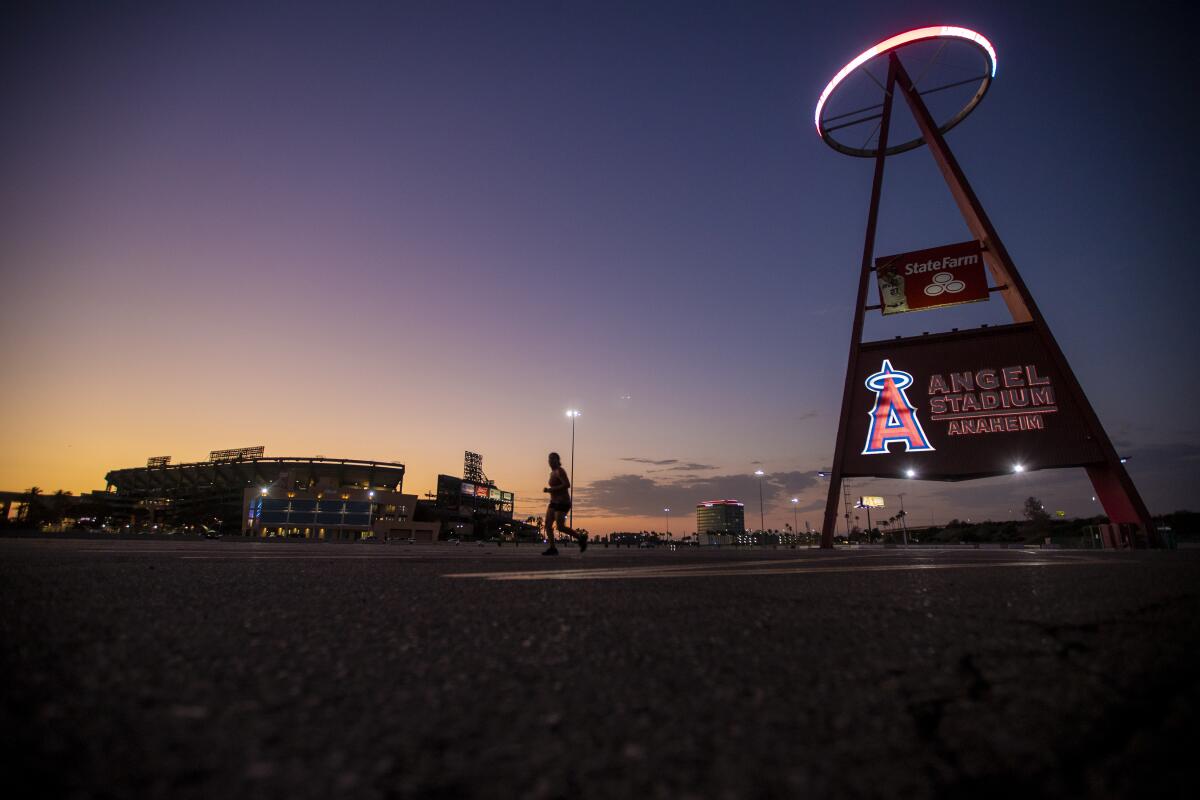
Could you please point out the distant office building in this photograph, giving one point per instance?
(717, 519)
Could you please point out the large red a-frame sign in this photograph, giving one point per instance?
(965, 404)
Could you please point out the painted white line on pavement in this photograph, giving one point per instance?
(336, 557)
(668, 568)
(652, 572)
(304, 557)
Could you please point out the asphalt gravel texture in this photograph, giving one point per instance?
(238, 669)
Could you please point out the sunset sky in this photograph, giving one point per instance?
(400, 231)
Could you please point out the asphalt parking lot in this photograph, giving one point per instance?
(216, 668)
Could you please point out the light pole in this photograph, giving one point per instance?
(795, 518)
(668, 512)
(762, 525)
(903, 520)
(572, 413)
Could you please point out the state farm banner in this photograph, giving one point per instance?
(923, 279)
(962, 405)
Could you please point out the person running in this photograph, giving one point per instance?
(560, 505)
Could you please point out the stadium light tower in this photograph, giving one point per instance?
(572, 413)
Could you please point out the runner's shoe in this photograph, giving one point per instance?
(582, 542)
(553, 551)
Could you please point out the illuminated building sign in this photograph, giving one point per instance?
(963, 405)
(923, 279)
(237, 454)
(870, 502)
(472, 497)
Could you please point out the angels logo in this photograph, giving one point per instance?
(893, 419)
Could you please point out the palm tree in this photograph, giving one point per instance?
(30, 493)
(61, 499)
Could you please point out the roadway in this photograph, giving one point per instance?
(230, 668)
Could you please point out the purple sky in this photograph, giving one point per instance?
(402, 230)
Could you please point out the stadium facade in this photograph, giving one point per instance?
(333, 512)
(239, 491)
(309, 497)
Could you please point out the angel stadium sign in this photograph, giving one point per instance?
(992, 400)
(961, 405)
(953, 406)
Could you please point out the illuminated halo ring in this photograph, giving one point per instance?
(878, 381)
(968, 74)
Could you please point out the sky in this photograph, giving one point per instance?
(399, 231)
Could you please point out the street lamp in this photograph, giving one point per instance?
(572, 413)
(668, 512)
(762, 525)
(861, 504)
(795, 518)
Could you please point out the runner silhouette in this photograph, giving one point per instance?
(559, 489)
